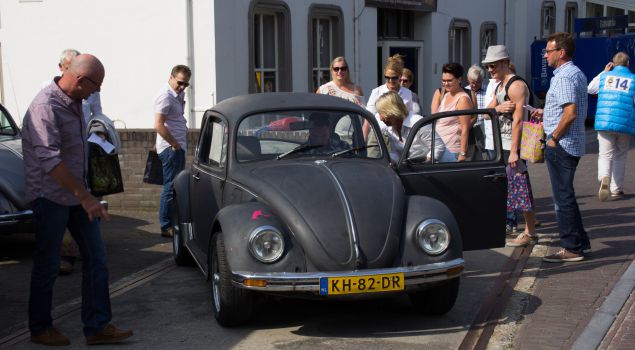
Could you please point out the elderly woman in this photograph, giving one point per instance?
(341, 85)
(396, 122)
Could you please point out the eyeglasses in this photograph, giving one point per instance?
(447, 81)
(92, 81)
(404, 80)
(337, 69)
(391, 78)
(548, 51)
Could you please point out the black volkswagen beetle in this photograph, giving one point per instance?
(15, 215)
(294, 194)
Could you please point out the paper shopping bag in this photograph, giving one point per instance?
(532, 145)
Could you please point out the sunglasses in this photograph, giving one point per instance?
(491, 66)
(337, 69)
(391, 78)
(181, 83)
(404, 80)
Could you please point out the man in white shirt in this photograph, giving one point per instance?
(171, 144)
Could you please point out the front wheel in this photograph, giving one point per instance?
(438, 300)
(232, 306)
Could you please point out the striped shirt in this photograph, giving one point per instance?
(568, 85)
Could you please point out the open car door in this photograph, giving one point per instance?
(474, 190)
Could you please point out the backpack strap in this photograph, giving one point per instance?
(509, 83)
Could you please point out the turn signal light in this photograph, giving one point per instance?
(255, 283)
(454, 271)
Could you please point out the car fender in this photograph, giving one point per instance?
(237, 221)
(421, 208)
(181, 188)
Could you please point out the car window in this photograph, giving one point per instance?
(6, 128)
(440, 140)
(307, 133)
(212, 149)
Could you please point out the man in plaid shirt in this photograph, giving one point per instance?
(563, 117)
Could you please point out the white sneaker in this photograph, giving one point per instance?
(604, 193)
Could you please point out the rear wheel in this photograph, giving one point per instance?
(438, 300)
(232, 306)
(181, 255)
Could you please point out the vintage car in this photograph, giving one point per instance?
(15, 215)
(294, 194)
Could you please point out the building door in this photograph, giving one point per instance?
(413, 60)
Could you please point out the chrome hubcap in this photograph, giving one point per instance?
(216, 290)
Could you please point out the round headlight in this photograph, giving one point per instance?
(433, 236)
(266, 244)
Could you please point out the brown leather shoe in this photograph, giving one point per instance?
(168, 232)
(50, 337)
(108, 335)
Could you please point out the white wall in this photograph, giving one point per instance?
(137, 43)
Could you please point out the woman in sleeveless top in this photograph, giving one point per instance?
(341, 85)
(454, 131)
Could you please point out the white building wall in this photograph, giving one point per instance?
(137, 41)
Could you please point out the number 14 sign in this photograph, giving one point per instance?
(612, 82)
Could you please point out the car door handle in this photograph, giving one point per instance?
(495, 176)
(196, 176)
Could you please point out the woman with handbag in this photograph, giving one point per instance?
(509, 98)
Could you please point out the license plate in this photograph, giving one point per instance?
(361, 284)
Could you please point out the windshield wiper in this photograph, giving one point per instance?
(337, 154)
(298, 149)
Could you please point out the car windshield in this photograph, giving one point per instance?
(6, 128)
(305, 134)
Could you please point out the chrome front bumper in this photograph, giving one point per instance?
(310, 281)
(14, 218)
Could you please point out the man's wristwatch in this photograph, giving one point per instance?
(462, 154)
(551, 137)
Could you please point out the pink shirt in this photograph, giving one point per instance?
(450, 128)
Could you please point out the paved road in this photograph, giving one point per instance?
(172, 311)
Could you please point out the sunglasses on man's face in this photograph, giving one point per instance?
(181, 83)
(337, 69)
(389, 78)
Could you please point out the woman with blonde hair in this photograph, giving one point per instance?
(341, 84)
(396, 124)
(392, 72)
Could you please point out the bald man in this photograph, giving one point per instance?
(54, 148)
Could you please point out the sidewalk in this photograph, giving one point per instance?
(567, 296)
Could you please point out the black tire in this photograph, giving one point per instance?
(182, 256)
(232, 306)
(438, 300)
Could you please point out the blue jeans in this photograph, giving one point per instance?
(173, 162)
(561, 166)
(51, 219)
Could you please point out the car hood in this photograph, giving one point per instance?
(12, 172)
(346, 214)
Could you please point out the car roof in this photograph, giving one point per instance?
(235, 107)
